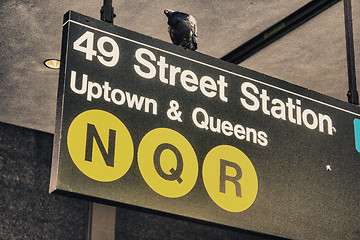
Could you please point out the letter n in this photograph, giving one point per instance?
(92, 134)
(234, 179)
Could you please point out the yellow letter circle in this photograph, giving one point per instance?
(167, 162)
(100, 145)
(230, 178)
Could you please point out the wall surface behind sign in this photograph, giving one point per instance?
(27, 210)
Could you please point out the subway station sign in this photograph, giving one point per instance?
(142, 122)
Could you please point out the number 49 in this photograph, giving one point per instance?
(85, 44)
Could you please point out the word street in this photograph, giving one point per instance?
(188, 79)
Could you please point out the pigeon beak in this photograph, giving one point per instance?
(168, 12)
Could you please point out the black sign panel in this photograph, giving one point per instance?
(146, 123)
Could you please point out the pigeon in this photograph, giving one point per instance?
(182, 29)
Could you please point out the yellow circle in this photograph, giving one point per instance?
(167, 162)
(100, 145)
(230, 178)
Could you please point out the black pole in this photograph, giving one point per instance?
(278, 30)
(352, 94)
(107, 12)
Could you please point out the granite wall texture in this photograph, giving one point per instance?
(27, 210)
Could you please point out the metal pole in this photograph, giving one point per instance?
(278, 30)
(352, 94)
(89, 230)
(107, 12)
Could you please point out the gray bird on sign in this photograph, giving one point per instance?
(182, 29)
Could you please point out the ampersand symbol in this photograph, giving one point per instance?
(173, 112)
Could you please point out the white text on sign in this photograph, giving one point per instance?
(149, 66)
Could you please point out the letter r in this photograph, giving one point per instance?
(234, 179)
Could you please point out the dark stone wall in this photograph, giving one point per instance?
(27, 210)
